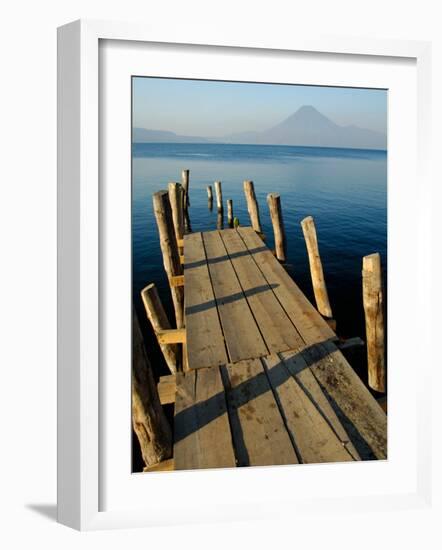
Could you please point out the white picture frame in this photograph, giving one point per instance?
(80, 438)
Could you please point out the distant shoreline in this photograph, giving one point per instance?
(210, 143)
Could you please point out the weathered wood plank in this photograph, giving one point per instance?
(298, 367)
(202, 431)
(309, 323)
(166, 389)
(314, 439)
(172, 336)
(241, 333)
(164, 466)
(177, 280)
(361, 414)
(276, 328)
(205, 340)
(258, 430)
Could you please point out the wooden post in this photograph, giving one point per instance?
(169, 249)
(220, 220)
(230, 212)
(252, 205)
(274, 202)
(148, 419)
(159, 321)
(176, 193)
(185, 184)
(374, 320)
(219, 196)
(210, 197)
(317, 273)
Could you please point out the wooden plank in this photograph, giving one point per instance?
(177, 280)
(166, 389)
(314, 438)
(241, 333)
(171, 336)
(367, 422)
(276, 328)
(205, 340)
(202, 430)
(259, 434)
(303, 315)
(299, 368)
(164, 466)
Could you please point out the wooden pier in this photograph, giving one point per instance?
(262, 379)
(266, 382)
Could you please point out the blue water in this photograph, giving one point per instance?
(345, 190)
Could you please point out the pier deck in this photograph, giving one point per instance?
(266, 383)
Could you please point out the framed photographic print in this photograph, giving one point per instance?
(228, 214)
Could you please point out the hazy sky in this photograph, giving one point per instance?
(215, 108)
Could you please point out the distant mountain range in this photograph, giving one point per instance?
(307, 126)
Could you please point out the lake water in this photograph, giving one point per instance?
(345, 190)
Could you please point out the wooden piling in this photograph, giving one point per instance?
(185, 178)
(169, 249)
(230, 212)
(374, 320)
(252, 205)
(148, 420)
(160, 322)
(220, 220)
(219, 196)
(274, 202)
(176, 193)
(209, 198)
(316, 271)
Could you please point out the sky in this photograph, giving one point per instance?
(216, 108)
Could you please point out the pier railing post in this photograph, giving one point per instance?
(230, 212)
(374, 320)
(210, 197)
(274, 202)
(148, 419)
(176, 193)
(252, 206)
(169, 249)
(159, 321)
(219, 196)
(317, 273)
(185, 178)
